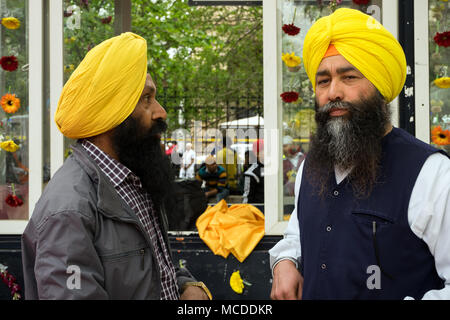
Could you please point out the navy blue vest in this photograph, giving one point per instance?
(341, 236)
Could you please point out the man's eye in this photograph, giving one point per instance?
(323, 81)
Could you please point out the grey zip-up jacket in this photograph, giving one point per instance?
(84, 242)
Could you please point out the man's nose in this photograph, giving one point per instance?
(335, 91)
(159, 112)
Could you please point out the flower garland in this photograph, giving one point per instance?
(10, 104)
(10, 281)
(291, 61)
(11, 199)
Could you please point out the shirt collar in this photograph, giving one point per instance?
(113, 169)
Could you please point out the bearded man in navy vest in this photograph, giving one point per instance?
(372, 215)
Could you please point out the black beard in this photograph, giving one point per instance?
(140, 151)
(349, 142)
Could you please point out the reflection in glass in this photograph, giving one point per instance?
(439, 16)
(297, 95)
(86, 24)
(14, 113)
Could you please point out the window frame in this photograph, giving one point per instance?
(35, 95)
(272, 87)
(273, 116)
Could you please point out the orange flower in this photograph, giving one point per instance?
(10, 103)
(440, 137)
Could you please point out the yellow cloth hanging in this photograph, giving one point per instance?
(236, 229)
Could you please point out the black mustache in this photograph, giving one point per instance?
(336, 104)
(158, 127)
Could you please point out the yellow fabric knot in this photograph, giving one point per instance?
(236, 229)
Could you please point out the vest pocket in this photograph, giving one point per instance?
(368, 216)
(375, 220)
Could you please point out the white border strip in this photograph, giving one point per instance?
(35, 98)
(421, 74)
(36, 90)
(390, 22)
(56, 81)
(272, 119)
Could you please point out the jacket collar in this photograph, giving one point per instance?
(108, 201)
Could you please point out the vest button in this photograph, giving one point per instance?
(329, 228)
(323, 266)
(336, 193)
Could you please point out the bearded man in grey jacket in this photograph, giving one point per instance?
(99, 230)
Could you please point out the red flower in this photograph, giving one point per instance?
(290, 29)
(442, 39)
(67, 13)
(106, 20)
(289, 96)
(9, 63)
(360, 2)
(13, 201)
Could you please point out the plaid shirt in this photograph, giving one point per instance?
(129, 187)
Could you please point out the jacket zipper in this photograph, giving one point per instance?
(142, 258)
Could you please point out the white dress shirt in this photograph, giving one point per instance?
(428, 217)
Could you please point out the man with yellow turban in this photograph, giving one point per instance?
(99, 229)
(372, 202)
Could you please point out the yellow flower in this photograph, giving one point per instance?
(290, 59)
(236, 282)
(443, 82)
(10, 103)
(11, 23)
(70, 40)
(69, 68)
(9, 146)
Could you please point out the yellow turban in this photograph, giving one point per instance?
(363, 42)
(105, 88)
